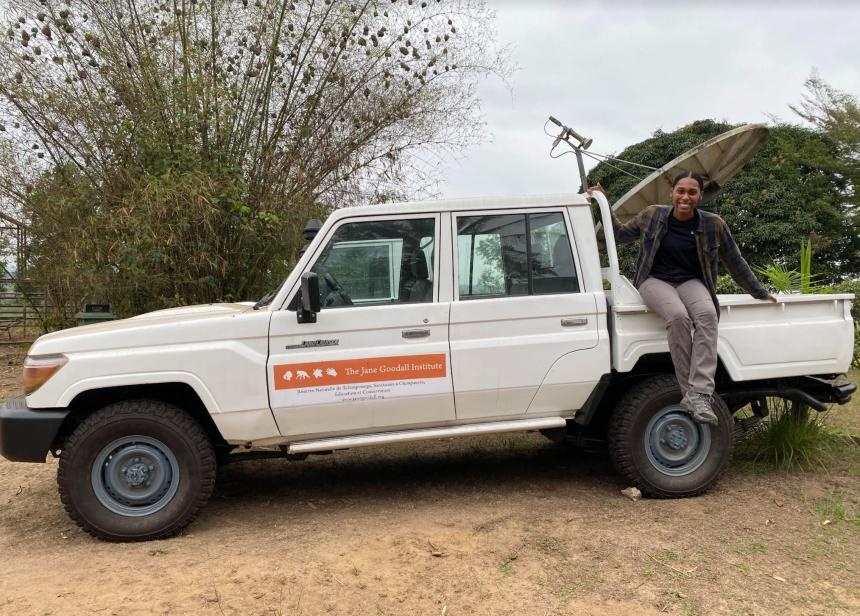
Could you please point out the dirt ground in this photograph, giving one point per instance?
(501, 525)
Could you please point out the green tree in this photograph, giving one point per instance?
(172, 150)
(794, 188)
(835, 113)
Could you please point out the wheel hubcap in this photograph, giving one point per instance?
(676, 438)
(674, 443)
(135, 476)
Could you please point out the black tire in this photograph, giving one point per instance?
(655, 445)
(157, 443)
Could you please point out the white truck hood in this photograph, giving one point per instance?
(184, 311)
(184, 325)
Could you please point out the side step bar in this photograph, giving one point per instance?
(365, 440)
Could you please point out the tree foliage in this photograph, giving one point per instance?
(835, 113)
(171, 151)
(794, 188)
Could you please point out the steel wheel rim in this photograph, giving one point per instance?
(135, 476)
(674, 443)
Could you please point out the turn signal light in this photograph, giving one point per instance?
(37, 370)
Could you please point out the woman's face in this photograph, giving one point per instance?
(686, 196)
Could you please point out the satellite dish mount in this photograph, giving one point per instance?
(579, 144)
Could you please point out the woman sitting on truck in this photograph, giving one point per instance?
(676, 275)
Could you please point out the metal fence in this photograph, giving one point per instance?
(19, 308)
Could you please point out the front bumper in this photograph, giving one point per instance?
(27, 434)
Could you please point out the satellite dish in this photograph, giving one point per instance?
(717, 160)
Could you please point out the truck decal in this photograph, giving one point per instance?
(355, 380)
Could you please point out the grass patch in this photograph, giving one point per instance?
(758, 547)
(793, 437)
(846, 417)
(551, 546)
(566, 594)
(507, 567)
(833, 509)
(515, 443)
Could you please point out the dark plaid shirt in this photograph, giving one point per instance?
(712, 240)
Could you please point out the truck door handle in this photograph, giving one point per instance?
(416, 333)
(574, 321)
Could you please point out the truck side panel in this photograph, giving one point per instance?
(222, 356)
(801, 335)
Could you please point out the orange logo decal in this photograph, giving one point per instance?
(370, 370)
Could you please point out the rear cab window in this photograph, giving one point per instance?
(507, 255)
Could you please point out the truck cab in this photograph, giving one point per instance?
(496, 295)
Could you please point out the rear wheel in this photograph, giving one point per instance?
(136, 470)
(656, 445)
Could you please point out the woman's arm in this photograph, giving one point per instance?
(738, 267)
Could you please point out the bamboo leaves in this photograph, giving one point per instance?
(215, 128)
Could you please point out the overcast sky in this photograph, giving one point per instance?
(617, 70)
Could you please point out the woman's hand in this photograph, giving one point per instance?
(773, 298)
(595, 188)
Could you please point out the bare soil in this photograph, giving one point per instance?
(502, 525)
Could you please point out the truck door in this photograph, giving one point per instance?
(519, 310)
(377, 355)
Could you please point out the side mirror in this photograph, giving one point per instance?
(310, 298)
(311, 229)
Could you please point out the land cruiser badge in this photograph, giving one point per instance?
(312, 344)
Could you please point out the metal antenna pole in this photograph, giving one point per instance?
(582, 143)
(583, 180)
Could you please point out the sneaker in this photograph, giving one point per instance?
(699, 407)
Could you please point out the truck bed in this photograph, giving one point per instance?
(801, 335)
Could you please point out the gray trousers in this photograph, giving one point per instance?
(685, 307)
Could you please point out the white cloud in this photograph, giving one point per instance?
(617, 71)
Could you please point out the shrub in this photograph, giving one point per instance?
(792, 438)
(169, 153)
(726, 285)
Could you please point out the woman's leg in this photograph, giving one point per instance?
(663, 298)
(703, 360)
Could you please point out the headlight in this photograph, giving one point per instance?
(38, 369)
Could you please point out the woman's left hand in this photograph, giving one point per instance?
(596, 188)
(773, 298)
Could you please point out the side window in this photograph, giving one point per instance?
(492, 255)
(514, 254)
(553, 270)
(378, 262)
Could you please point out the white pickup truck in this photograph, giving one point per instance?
(404, 322)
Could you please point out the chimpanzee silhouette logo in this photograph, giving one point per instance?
(304, 375)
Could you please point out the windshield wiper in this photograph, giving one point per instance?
(268, 297)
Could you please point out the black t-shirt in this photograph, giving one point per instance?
(677, 259)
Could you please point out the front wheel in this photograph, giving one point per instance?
(136, 470)
(656, 445)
